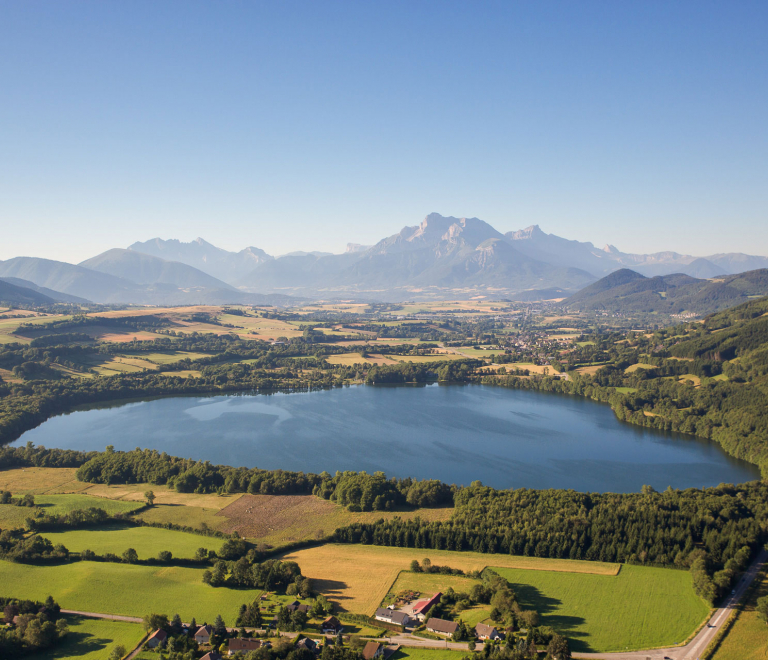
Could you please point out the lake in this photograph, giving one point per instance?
(504, 438)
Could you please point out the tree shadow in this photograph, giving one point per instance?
(531, 597)
(75, 645)
(332, 589)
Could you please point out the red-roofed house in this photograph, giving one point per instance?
(157, 638)
(421, 608)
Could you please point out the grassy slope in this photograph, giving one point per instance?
(147, 541)
(747, 639)
(92, 639)
(641, 607)
(125, 589)
(14, 516)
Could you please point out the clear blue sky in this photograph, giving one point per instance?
(305, 125)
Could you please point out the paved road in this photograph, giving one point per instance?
(112, 617)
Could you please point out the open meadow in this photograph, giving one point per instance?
(641, 607)
(127, 589)
(92, 639)
(358, 577)
(147, 541)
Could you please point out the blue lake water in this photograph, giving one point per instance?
(458, 434)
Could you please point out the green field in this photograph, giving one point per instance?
(639, 608)
(147, 541)
(92, 639)
(51, 504)
(127, 589)
(12, 516)
(428, 654)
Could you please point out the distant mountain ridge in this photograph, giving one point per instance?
(627, 291)
(440, 254)
(441, 257)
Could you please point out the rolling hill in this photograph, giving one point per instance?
(57, 296)
(628, 291)
(10, 293)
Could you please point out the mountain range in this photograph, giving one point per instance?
(442, 257)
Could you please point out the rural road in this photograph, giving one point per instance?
(691, 651)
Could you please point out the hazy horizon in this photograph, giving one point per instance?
(305, 126)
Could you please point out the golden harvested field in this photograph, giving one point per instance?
(117, 365)
(358, 577)
(427, 358)
(590, 370)
(639, 365)
(169, 312)
(171, 357)
(261, 328)
(356, 358)
(279, 519)
(163, 495)
(41, 480)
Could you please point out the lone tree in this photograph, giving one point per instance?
(130, 556)
(118, 652)
(150, 497)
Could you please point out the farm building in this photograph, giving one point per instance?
(211, 656)
(156, 639)
(484, 631)
(442, 627)
(203, 634)
(331, 626)
(422, 607)
(389, 615)
(373, 650)
(296, 606)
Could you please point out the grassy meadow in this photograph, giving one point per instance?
(641, 607)
(127, 589)
(92, 639)
(147, 541)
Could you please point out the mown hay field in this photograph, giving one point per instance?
(40, 480)
(746, 639)
(92, 639)
(147, 541)
(641, 607)
(127, 589)
(279, 519)
(358, 577)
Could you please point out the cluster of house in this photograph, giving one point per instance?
(331, 626)
(409, 616)
(416, 613)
